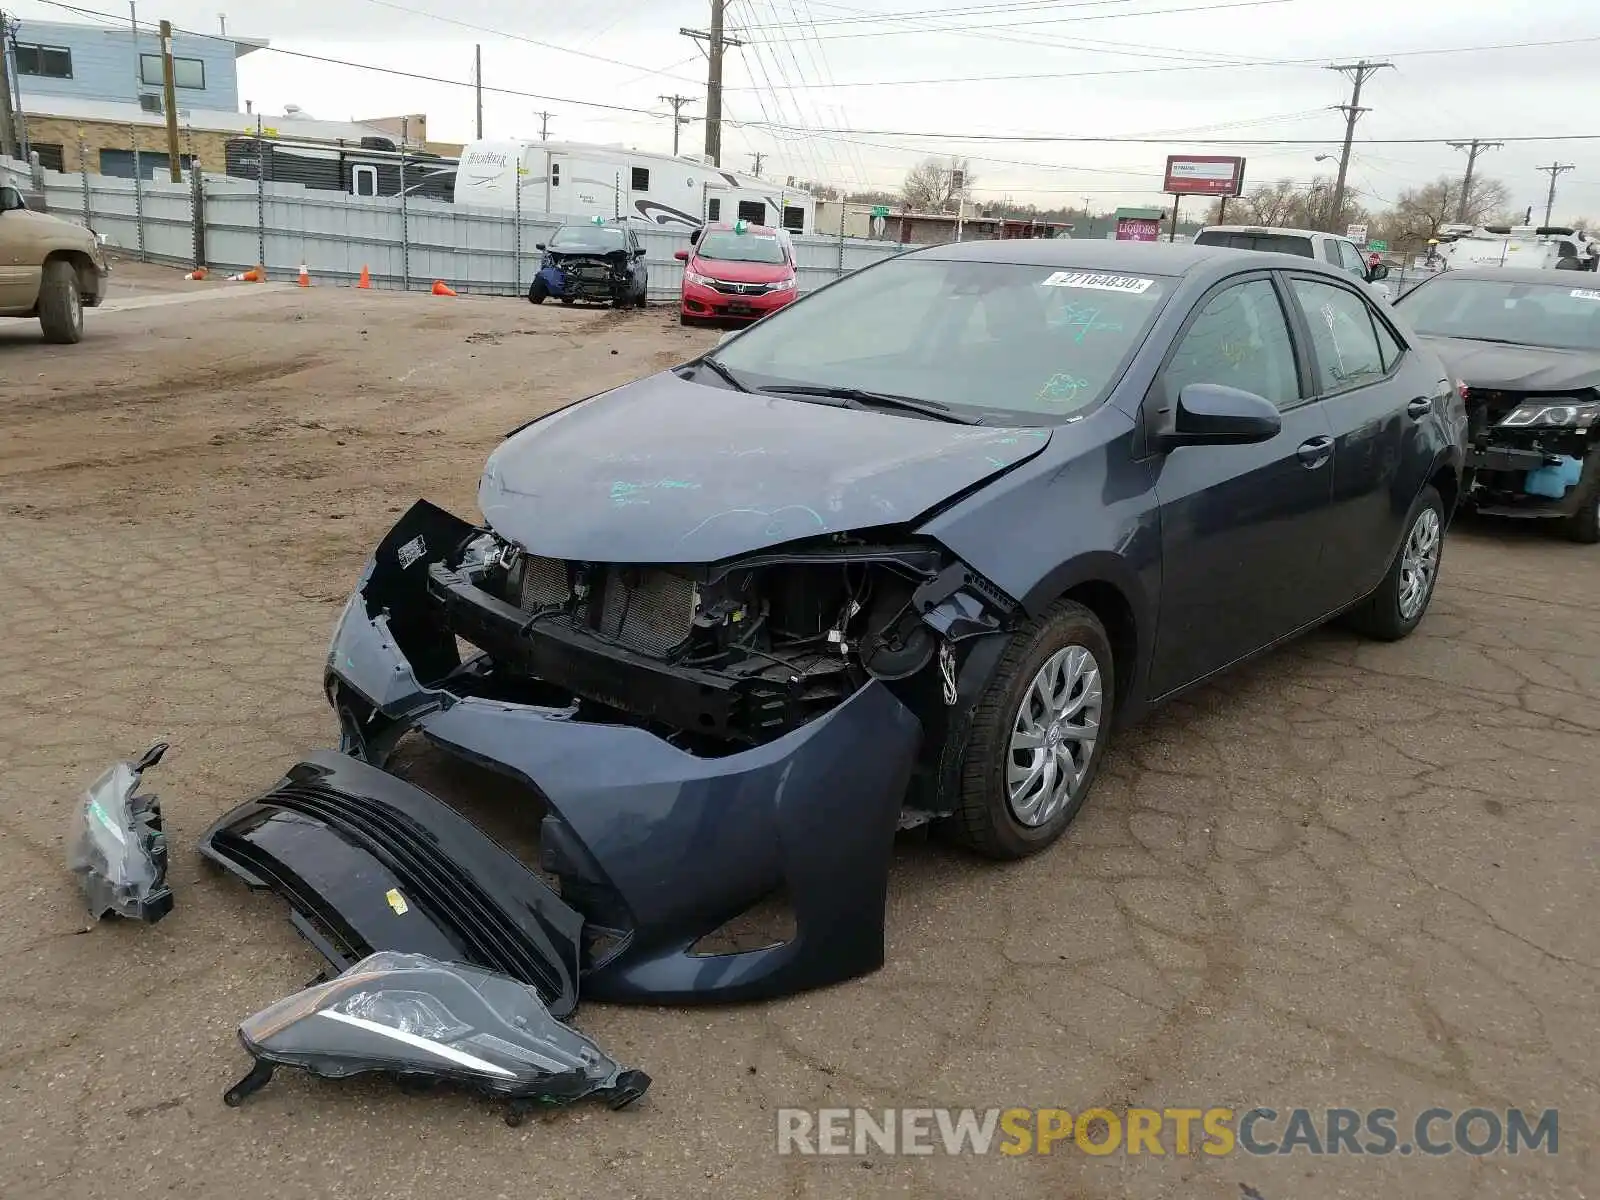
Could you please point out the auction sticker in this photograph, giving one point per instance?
(1586, 293)
(1099, 283)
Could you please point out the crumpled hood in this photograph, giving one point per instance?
(667, 471)
(1517, 368)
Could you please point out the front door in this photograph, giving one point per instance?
(1242, 527)
(19, 253)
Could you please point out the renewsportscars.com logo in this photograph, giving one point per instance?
(1218, 1132)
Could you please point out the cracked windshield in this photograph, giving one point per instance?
(1032, 344)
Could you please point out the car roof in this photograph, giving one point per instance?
(1520, 275)
(1173, 259)
(1270, 229)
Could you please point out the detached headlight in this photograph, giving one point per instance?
(117, 847)
(696, 277)
(1552, 416)
(415, 1016)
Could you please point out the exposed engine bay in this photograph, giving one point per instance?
(715, 659)
(1529, 447)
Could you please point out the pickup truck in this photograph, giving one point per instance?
(49, 269)
(1336, 251)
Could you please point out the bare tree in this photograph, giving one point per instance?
(930, 186)
(1419, 213)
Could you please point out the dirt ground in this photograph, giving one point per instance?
(1351, 875)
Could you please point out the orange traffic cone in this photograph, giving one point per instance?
(441, 288)
(253, 275)
(366, 279)
(197, 273)
(305, 277)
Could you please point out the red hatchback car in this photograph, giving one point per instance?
(736, 271)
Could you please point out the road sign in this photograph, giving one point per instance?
(1377, 245)
(880, 210)
(1357, 233)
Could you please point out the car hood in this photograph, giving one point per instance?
(667, 471)
(1517, 368)
(741, 272)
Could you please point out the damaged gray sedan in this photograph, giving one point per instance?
(905, 552)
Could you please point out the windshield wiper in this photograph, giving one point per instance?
(1468, 337)
(863, 398)
(726, 375)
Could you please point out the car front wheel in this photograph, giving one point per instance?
(1038, 736)
(1584, 525)
(1401, 600)
(60, 304)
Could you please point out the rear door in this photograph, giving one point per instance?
(1242, 527)
(1363, 380)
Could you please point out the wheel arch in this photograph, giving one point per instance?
(81, 264)
(1107, 586)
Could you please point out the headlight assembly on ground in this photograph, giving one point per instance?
(418, 1018)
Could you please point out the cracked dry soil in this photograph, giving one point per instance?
(1349, 874)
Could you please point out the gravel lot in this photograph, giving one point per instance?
(1349, 875)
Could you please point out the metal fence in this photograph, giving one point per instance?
(231, 224)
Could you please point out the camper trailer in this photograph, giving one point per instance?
(572, 179)
(371, 168)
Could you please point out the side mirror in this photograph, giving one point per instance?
(538, 245)
(639, 253)
(1210, 414)
(681, 255)
(1380, 271)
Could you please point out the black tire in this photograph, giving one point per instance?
(538, 292)
(984, 820)
(1583, 526)
(686, 320)
(569, 299)
(644, 297)
(60, 304)
(1381, 615)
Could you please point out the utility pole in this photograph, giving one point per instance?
(1473, 149)
(1358, 73)
(169, 101)
(756, 160)
(477, 83)
(678, 122)
(1553, 170)
(716, 42)
(544, 125)
(8, 118)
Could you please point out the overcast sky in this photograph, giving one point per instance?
(1171, 75)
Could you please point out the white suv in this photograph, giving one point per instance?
(1330, 248)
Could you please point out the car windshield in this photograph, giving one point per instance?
(724, 246)
(1274, 243)
(598, 238)
(1558, 316)
(1032, 344)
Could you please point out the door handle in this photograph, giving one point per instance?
(1314, 453)
(1419, 408)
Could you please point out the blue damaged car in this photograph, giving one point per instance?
(911, 550)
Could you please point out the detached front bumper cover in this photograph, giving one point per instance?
(653, 845)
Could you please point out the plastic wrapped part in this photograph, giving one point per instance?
(117, 848)
(420, 1018)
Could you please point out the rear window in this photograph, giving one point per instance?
(1272, 243)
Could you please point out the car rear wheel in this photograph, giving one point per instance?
(1401, 600)
(60, 304)
(1038, 736)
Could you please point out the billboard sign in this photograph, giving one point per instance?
(1138, 229)
(1203, 175)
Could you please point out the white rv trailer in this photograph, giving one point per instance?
(573, 179)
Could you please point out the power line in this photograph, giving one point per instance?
(1149, 12)
(1358, 73)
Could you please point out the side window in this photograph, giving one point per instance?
(1341, 334)
(1240, 340)
(714, 209)
(640, 179)
(1330, 251)
(1388, 345)
(555, 174)
(364, 181)
(753, 211)
(1350, 258)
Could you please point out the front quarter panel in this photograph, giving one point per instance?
(1084, 511)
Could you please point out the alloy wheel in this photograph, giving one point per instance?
(1419, 563)
(1053, 736)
